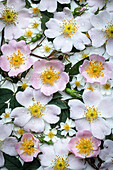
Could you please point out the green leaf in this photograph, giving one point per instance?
(67, 67)
(57, 95)
(14, 103)
(45, 17)
(75, 69)
(5, 95)
(28, 4)
(3, 106)
(59, 103)
(64, 115)
(31, 165)
(61, 6)
(12, 163)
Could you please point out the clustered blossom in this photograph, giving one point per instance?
(56, 84)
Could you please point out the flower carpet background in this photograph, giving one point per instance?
(56, 84)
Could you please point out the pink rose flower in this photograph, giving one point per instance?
(84, 145)
(14, 18)
(28, 147)
(96, 70)
(49, 76)
(15, 58)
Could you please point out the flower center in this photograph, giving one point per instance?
(91, 113)
(35, 24)
(47, 49)
(49, 76)
(108, 30)
(28, 146)
(66, 127)
(77, 83)
(68, 27)
(16, 60)
(37, 109)
(60, 163)
(107, 86)
(28, 33)
(95, 69)
(9, 16)
(35, 10)
(6, 115)
(20, 131)
(84, 146)
(24, 86)
(84, 56)
(50, 134)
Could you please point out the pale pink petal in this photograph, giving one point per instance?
(49, 89)
(109, 47)
(9, 146)
(2, 161)
(92, 97)
(77, 109)
(63, 43)
(50, 5)
(65, 15)
(5, 130)
(82, 124)
(62, 81)
(2, 25)
(16, 4)
(105, 107)
(100, 128)
(4, 63)
(26, 158)
(25, 98)
(24, 18)
(61, 147)
(36, 80)
(50, 113)
(41, 97)
(35, 125)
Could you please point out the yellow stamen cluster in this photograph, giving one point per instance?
(77, 83)
(84, 146)
(66, 127)
(107, 86)
(28, 146)
(108, 30)
(20, 131)
(16, 60)
(6, 115)
(90, 88)
(91, 113)
(24, 86)
(49, 76)
(28, 33)
(60, 163)
(35, 10)
(84, 56)
(95, 69)
(37, 109)
(47, 49)
(1, 143)
(35, 24)
(50, 134)
(9, 16)
(106, 1)
(68, 27)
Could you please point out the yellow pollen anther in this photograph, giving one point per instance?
(50, 134)
(95, 69)
(90, 88)
(84, 56)
(91, 113)
(66, 127)
(47, 49)
(35, 10)
(35, 24)
(37, 109)
(60, 163)
(20, 131)
(6, 115)
(84, 146)
(49, 76)
(107, 86)
(28, 146)
(68, 27)
(24, 86)
(28, 33)
(16, 60)
(9, 16)
(77, 83)
(108, 30)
